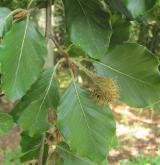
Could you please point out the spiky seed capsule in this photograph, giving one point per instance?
(105, 90)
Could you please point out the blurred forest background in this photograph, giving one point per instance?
(138, 130)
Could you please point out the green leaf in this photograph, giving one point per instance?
(69, 158)
(5, 21)
(87, 127)
(121, 31)
(34, 120)
(11, 157)
(31, 147)
(138, 7)
(30, 151)
(75, 51)
(6, 123)
(32, 111)
(88, 26)
(119, 6)
(21, 63)
(136, 71)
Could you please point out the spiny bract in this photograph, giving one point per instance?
(104, 89)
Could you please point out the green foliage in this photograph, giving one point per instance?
(68, 158)
(31, 112)
(138, 7)
(121, 31)
(31, 152)
(5, 20)
(118, 5)
(88, 26)
(142, 160)
(140, 76)
(6, 123)
(95, 126)
(12, 157)
(98, 36)
(14, 3)
(26, 61)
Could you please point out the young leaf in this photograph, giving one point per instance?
(136, 71)
(87, 127)
(5, 21)
(88, 26)
(31, 112)
(6, 123)
(22, 56)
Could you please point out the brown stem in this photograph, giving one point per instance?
(63, 52)
(48, 29)
(48, 32)
(40, 160)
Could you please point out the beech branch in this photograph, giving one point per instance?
(62, 52)
(48, 29)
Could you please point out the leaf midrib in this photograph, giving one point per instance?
(81, 106)
(21, 51)
(129, 76)
(122, 73)
(45, 95)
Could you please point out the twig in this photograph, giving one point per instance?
(47, 35)
(84, 69)
(48, 29)
(63, 53)
(40, 160)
